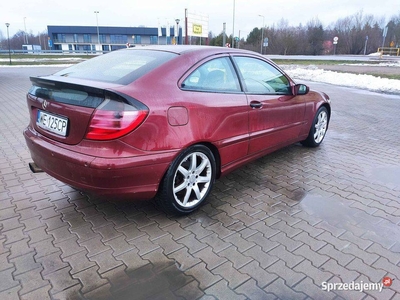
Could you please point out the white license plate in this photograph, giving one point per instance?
(50, 122)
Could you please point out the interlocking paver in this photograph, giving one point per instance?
(31, 280)
(105, 261)
(20, 248)
(240, 243)
(144, 245)
(313, 289)
(221, 291)
(262, 277)
(291, 277)
(289, 258)
(393, 257)
(100, 293)
(24, 263)
(383, 264)
(41, 293)
(10, 294)
(252, 291)
(265, 243)
(132, 260)
(345, 274)
(235, 257)
(211, 259)
(203, 275)
(90, 279)
(192, 243)
(6, 279)
(373, 274)
(94, 246)
(280, 289)
(78, 262)
(51, 263)
(256, 236)
(184, 259)
(190, 291)
(289, 243)
(330, 251)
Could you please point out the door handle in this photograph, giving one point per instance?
(255, 104)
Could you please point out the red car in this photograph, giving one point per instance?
(166, 120)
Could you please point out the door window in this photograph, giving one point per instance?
(260, 77)
(216, 75)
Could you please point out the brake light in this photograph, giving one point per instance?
(114, 119)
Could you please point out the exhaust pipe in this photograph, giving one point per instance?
(34, 168)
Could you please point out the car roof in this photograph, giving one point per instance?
(183, 49)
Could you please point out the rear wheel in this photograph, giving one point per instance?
(318, 128)
(188, 181)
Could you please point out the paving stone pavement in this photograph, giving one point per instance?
(275, 229)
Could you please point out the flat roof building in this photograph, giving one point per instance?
(103, 39)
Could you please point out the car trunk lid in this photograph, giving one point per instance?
(61, 108)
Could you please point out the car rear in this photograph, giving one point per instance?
(77, 119)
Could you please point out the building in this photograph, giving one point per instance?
(101, 39)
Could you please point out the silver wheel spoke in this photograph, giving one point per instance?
(203, 164)
(203, 179)
(193, 162)
(180, 187)
(183, 171)
(197, 192)
(187, 195)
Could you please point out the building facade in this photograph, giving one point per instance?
(103, 39)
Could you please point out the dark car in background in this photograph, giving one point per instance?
(167, 120)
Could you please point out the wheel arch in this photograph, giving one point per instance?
(214, 150)
(216, 154)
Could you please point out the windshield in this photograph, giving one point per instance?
(122, 66)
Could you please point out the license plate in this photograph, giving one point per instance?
(50, 122)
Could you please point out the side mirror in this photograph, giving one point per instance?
(301, 89)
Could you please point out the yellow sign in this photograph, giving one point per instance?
(392, 44)
(197, 29)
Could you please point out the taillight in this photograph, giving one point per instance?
(113, 119)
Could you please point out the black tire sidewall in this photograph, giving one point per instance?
(310, 141)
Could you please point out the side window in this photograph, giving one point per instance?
(262, 78)
(216, 75)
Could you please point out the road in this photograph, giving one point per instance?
(276, 228)
(361, 58)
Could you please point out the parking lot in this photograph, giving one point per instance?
(281, 227)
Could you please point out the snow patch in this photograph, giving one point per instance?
(360, 81)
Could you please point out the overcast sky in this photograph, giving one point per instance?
(40, 13)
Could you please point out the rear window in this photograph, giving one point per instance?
(122, 66)
(68, 96)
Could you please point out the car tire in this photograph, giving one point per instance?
(318, 128)
(188, 181)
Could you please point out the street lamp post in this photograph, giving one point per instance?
(26, 34)
(177, 32)
(97, 23)
(262, 34)
(8, 37)
(233, 26)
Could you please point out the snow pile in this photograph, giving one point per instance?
(360, 81)
(395, 64)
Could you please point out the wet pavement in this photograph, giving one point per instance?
(278, 228)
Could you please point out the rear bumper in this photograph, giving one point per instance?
(128, 177)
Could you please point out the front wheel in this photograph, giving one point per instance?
(318, 128)
(188, 181)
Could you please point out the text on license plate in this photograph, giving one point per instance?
(52, 123)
